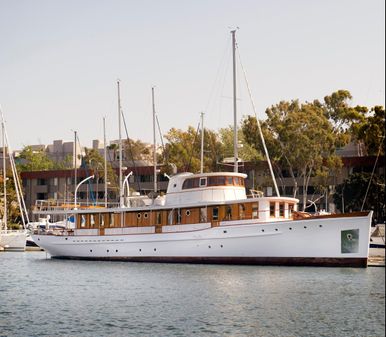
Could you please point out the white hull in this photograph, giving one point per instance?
(13, 240)
(319, 241)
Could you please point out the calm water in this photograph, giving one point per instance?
(44, 297)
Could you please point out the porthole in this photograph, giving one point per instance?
(145, 215)
(276, 229)
(187, 212)
(349, 237)
(225, 232)
(138, 215)
(108, 251)
(116, 250)
(140, 249)
(320, 226)
(221, 246)
(66, 238)
(262, 230)
(290, 228)
(90, 250)
(305, 227)
(155, 249)
(209, 247)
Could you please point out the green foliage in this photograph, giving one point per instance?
(13, 210)
(302, 137)
(371, 131)
(349, 196)
(31, 160)
(95, 162)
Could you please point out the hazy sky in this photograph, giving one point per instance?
(60, 59)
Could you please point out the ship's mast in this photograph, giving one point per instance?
(202, 143)
(154, 143)
(235, 140)
(120, 145)
(75, 162)
(105, 158)
(4, 176)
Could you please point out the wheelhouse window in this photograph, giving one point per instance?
(290, 209)
(202, 182)
(228, 213)
(191, 183)
(203, 214)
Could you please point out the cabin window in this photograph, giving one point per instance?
(92, 220)
(139, 215)
(83, 221)
(159, 218)
(170, 217)
(178, 216)
(203, 214)
(228, 214)
(112, 220)
(281, 209)
(229, 180)
(187, 212)
(255, 210)
(202, 182)
(241, 211)
(101, 220)
(272, 209)
(145, 215)
(215, 213)
(290, 209)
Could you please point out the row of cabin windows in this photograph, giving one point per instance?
(170, 217)
(212, 181)
(272, 209)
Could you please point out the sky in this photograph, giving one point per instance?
(60, 61)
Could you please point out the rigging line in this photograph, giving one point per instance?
(160, 133)
(258, 125)
(131, 152)
(87, 171)
(221, 65)
(221, 93)
(192, 148)
(372, 173)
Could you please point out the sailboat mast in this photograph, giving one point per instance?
(202, 143)
(154, 143)
(105, 157)
(235, 140)
(75, 168)
(4, 176)
(120, 145)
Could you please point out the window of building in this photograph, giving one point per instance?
(41, 182)
(41, 196)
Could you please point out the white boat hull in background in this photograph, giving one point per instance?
(13, 240)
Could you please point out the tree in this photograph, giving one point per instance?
(349, 195)
(300, 138)
(13, 209)
(31, 160)
(371, 131)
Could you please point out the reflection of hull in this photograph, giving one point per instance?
(13, 240)
(329, 241)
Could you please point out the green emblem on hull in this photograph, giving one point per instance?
(349, 241)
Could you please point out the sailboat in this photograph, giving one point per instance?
(14, 240)
(206, 218)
